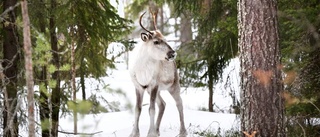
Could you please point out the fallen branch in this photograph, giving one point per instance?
(79, 133)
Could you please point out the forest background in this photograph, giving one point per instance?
(69, 40)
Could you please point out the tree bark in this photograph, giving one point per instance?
(10, 65)
(262, 107)
(28, 67)
(185, 28)
(73, 83)
(56, 92)
(82, 79)
(210, 86)
(154, 10)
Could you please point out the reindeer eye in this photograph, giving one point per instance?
(156, 42)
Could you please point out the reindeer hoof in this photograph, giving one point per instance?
(134, 135)
(152, 135)
(183, 133)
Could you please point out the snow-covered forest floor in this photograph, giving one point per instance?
(117, 87)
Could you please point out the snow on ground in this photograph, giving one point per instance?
(119, 124)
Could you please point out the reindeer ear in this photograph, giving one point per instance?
(144, 37)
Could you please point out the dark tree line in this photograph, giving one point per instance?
(10, 68)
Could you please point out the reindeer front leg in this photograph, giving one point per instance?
(153, 94)
(139, 96)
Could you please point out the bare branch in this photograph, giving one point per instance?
(79, 133)
(11, 8)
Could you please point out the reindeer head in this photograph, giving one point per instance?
(156, 45)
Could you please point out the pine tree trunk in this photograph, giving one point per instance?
(44, 106)
(73, 84)
(82, 39)
(161, 19)
(56, 92)
(262, 107)
(82, 80)
(210, 86)
(10, 65)
(154, 10)
(185, 28)
(28, 67)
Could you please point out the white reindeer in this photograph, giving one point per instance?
(153, 71)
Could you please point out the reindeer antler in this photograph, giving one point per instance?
(141, 23)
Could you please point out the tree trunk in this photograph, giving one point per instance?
(56, 92)
(210, 86)
(81, 43)
(154, 10)
(28, 67)
(82, 80)
(185, 28)
(162, 25)
(44, 106)
(73, 83)
(262, 107)
(10, 65)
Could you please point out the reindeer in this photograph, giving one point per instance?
(153, 71)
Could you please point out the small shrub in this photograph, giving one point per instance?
(219, 133)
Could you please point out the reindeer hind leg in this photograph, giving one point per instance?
(162, 106)
(176, 96)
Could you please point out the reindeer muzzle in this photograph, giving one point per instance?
(171, 55)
